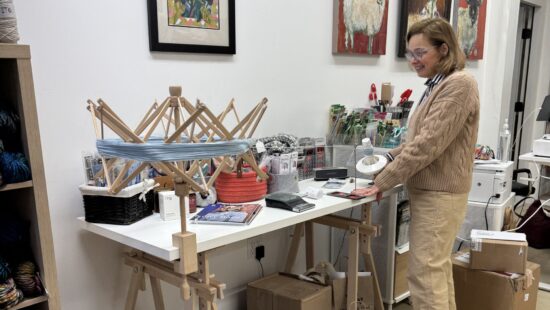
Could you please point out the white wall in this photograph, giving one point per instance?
(91, 49)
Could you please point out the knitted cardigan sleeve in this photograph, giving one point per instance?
(448, 113)
(396, 151)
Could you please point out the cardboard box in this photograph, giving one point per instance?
(498, 251)
(487, 290)
(282, 292)
(365, 292)
(400, 284)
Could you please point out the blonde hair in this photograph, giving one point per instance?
(439, 31)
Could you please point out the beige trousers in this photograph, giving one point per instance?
(435, 220)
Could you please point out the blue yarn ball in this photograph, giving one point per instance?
(9, 121)
(14, 167)
(5, 271)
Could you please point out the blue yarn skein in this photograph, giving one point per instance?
(5, 271)
(15, 167)
(9, 121)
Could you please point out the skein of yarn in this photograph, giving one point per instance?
(5, 272)
(9, 294)
(14, 167)
(27, 280)
(8, 22)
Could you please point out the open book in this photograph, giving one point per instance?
(233, 214)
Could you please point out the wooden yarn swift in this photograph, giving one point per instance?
(180, 121)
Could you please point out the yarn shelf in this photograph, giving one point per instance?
(14, 186)
(28, 200)
(27, 302)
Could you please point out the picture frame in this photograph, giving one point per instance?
(416, 10)
(358, 28)
(469, 23)
(192, 26)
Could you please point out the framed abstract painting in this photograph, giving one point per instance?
(470, 26)
(194, 26)
(413, 11)
(360, 27)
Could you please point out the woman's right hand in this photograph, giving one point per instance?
(369, 191)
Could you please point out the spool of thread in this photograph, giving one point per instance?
(8, 22)
(27, 280)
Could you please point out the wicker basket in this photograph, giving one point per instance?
(123, 208)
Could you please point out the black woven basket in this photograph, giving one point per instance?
(116, 210)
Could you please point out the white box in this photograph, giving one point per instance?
(276, 164)
(293, 161)
(285, 164)
(169, 205)
(541, 147)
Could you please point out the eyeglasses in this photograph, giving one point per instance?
(417, 53)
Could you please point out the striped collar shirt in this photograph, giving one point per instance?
(430, 84)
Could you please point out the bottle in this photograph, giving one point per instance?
(368, 150)
(503, 151)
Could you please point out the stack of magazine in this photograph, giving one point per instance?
(232, 214)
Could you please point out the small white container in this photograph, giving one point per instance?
(169, 206)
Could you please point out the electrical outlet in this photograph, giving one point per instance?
(253, 243)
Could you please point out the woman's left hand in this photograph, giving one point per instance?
(369, 191)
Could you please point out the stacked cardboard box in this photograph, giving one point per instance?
(495, 275)
(488, 290)
(498, 251)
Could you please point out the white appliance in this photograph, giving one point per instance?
(541, 147)
(490, 180)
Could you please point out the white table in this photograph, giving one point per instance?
(153, 236)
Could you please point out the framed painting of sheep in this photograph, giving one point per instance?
(470, 26)
(360, 27)
(194, 26)
(416, 10)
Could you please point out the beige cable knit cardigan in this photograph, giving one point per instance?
(439, 152)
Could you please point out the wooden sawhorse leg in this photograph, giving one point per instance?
(202, 283)
(365, 248)
(359, 234)
(136, 283)
(295, 245)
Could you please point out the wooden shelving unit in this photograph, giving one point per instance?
(29, 199)
(10, 187)
(29, 302)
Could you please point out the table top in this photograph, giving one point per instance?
(533, 158)
(152, 235)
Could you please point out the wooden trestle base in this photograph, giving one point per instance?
(191, 273)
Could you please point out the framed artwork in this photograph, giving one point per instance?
(413, 11)
(194, 26)
(470, 26)
(360, 27)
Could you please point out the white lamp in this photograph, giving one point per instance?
(370, 164)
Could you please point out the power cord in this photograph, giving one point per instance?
(532, 215)
(260, 253)
(487, 207)
(462, 240)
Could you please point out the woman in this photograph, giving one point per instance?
(436, 161)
